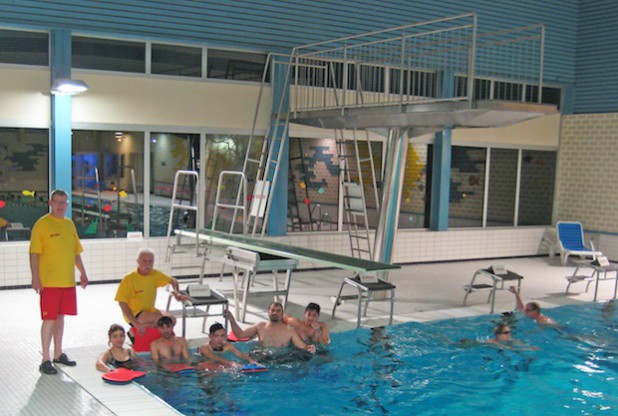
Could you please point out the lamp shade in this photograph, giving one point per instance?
(65, 86)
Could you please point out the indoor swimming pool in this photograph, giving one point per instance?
(416, 368)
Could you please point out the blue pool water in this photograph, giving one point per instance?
(423, 369)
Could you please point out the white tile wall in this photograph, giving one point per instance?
(111, 259)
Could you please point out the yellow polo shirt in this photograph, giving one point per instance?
(57, 244)
(140, 292)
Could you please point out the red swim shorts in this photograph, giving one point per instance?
(58, 301)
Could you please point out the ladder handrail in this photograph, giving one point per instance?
(177, 176)
(237, 206)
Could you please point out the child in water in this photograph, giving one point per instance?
(117, 355)
(218, 344)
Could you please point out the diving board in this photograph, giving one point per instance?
(338, 261)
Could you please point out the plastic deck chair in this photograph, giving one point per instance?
(571, 238)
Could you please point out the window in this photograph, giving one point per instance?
(467, 186)
(108, 54)
(415, 83)
(176, 60)
(24, 178)
(371, 77)
(502, 187)
(508, 91)
(551, 95)
(108, 183)
(536, 194)
(414, 197)
(241, 66)
(26, 48)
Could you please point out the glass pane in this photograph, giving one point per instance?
(241, 66)
(108, 183)
(27, 48)
(108, 54)
(176, 60)
(536, 193)
(169, 153)
(24, 178)
(227, 152)
(313, 191)
(467, 186)
(502, 187)
(507, 91)
(414, 194)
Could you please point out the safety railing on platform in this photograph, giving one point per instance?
(424, 62)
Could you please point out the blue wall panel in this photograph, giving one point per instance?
(596, 87)
(275, 25)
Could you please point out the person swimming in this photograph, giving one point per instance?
(532, 310)
(310, 330)
(503, 339)
(218, 344)
(116, 356)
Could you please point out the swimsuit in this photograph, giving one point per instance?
(129, 363)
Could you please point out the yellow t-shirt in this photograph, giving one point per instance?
(3, 222)
(140, 292)
(57, 244)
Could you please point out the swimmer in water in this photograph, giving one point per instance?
(168, 348)
(532, 310)
(218, 344)
(502, 339)
(310, 330)
(117, 355)
(273, 333)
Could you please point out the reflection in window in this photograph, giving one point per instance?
(241, 66)
(176, 60)
(108, 183)
(414, 194)
(108, 54)
(171, 152)
(536, 195)
(467, 186)
(26, 48)
(24, 155)
(502, 187)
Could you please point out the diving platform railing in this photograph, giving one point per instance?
(422, 63)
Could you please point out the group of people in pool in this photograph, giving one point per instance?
(502, 331)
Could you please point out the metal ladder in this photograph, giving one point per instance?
(177, 245)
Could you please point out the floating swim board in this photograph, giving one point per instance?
(233, 338)
(143, 340)
(254, 368)
(180, 368)
(122, 376)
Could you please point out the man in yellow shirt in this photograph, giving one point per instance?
(54, 253)
(137, 292)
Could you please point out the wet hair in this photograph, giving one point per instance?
(114, 328)
(313, 307)
(534, 306)
(275, 304)
(165, 321)
(215, 327)
(500, 327)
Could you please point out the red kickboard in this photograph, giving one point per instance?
(143, 340)
(122, 376)
(180, 368)
(233, 338)
(254, 368)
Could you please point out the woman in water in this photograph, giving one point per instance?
(310, 330)
(502, 339)
(116, 356)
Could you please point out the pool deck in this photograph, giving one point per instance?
(425, 292)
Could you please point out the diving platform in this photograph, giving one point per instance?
(433, 116)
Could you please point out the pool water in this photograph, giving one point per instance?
(424, 369)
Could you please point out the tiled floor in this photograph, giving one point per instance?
(424, 292)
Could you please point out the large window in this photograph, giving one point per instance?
(502, 187)
(27, 48)
(467, 187)
(24, 178)
(414, 197)
(108, 54)
(537, 187)
(108, 182)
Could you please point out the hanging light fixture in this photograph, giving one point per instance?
(65, 86)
